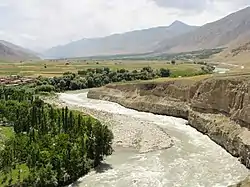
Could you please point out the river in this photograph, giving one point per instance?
(193, 160)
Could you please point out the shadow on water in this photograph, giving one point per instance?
(103, 167)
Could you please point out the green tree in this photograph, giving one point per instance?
(164, 72)
(173, 62)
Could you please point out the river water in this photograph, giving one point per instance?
(193, 161)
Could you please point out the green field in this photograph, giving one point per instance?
(24, 171)
(5, 133)
(185, 80)
(36, 68)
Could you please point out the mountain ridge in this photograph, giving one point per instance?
(220, 33)
(10, 52)
(137, 41)
(177, 37)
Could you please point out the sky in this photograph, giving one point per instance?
(41, 24)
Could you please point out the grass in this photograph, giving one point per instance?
(4, 178)
(36, 68)
(185, 80)
(5, 133)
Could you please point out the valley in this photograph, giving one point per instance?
(157, 106)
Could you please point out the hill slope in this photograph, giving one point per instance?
(140, 41)
(238, 50)
(220, 33)
(9, 51)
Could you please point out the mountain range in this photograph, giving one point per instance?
(11, 52)
(232, 30)
(139, 41)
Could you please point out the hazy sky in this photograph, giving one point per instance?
(40, 24)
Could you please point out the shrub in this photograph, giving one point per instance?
(164, 72)
(45, 88)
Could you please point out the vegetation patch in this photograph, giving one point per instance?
(48, 146)
(96, 77)
(58, 67)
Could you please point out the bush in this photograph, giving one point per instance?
(74, 85)
(134, 71)
(82, 72)
(44, 88)
(207, 69)
(95, 77)
(173, 62)
(164, 72)
(147, 69)
(106, 69)
(121, 71)
(99, 70)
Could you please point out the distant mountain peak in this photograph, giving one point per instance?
(177, 23)
(220, 33)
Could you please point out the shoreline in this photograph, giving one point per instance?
(217, 127)
(73, 102)
(136, 134)
(229, 130)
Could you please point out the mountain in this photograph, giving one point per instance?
(9, 51)
(139, 41)
(225, 32)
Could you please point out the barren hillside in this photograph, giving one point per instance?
(222, 33)
(9, 51)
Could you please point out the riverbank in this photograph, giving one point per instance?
(136, 134)
(217, 107)
(193, 160)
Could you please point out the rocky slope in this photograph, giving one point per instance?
(218, 107)
(232, 29)
(9, 51)
(238, 52)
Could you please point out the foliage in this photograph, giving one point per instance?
(5, 133)
(57, 146)
(164, 72)
(208, 69)
(96, 77)
(45, 88)
(173, 62)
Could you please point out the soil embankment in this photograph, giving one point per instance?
(218, 107)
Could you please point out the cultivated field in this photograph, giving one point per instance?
(57, 68)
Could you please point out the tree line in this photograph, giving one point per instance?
(96, 77)
(57, 146)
